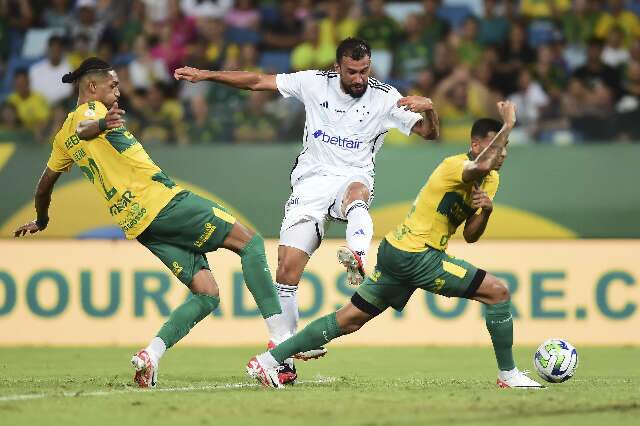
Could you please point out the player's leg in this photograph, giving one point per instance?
(297, 244)
(193, 270)
(250, 247)
(353, 201)
(453, 277)
(495, 295)
(291, 264)
(321, 331)
(382, 289)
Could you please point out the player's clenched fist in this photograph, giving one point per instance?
(189, 74)
(415, 103)
(480, 200)
(507, 111)
(114, 117)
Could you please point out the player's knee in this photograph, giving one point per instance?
(356, 191)
(499, 291)
(288, 272)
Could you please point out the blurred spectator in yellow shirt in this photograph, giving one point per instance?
(617, 16)
(544, 9)
(33, 109)
(311, 54)
(460, 101)
(338, 23)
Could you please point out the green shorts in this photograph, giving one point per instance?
(185, 229)
(399, 273)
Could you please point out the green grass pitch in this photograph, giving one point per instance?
(363, 386)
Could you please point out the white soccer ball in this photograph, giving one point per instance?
(556, 360)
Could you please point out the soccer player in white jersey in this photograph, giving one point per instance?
(348, 114)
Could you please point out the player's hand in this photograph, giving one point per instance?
(191, 74)
(31, 227)
(114, 117)
(415, 103)
(507, 111)
(480, 199)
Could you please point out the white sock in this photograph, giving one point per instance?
(288, 319)
(359, 228)
(267, 360)
(279, 328)
(155, 350)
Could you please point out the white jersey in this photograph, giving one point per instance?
(342, 134)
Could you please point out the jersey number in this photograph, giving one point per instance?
(93, 170)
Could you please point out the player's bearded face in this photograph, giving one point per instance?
(107, 90)
(354, 75)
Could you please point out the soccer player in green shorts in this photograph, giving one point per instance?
(176, 225)
(413, 256)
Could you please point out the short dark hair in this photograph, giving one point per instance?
(354, 48)
(483, 126)
(21, 72)
(56, 39)
(87, 66)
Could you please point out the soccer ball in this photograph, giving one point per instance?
(556, 360)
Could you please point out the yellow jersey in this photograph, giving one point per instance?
(443, 204)
(134, 189)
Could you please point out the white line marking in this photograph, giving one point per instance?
(229, 386)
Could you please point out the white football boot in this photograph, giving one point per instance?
(146, 373)
(352, 261)
(516, 379)
(268, 377)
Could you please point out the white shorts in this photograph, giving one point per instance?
(315, 200)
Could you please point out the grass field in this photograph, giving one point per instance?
(367, 386)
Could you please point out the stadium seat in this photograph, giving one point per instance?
(382, 61)
(634, 6)
(36, 41)
(268, 13)
(241, 36)
(277, 62)
(455, 15)
(541, 32)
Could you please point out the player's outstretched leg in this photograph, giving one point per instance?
(346, 320)
(203, 301)
(250, 247)
(358, 233)
(495, 295)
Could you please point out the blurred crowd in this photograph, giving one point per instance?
(572, 67)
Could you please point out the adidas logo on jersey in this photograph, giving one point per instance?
(325, 104)
(339, 141)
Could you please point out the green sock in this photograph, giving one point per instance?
(185, 316)
(317, 333)
(258, 277)
(500, 326)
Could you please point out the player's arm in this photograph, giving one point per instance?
(239, 79)
(429, 126)
(89, 129)
(42, 201)
(486, 160)
(474, 226)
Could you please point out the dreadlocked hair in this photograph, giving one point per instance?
(87, 66)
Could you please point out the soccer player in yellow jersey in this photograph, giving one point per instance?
(176, 225)
(460, 190)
